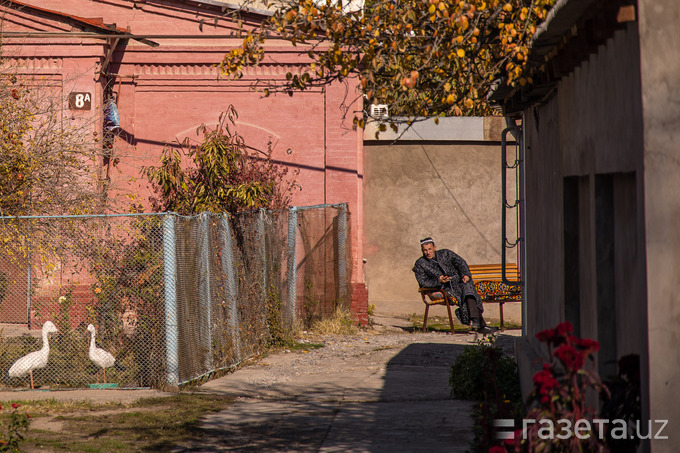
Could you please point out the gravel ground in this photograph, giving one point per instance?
(372, 348)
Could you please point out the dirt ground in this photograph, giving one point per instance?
(369, 349)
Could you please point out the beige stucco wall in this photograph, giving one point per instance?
(592, 201)
(660, 63)
(446, 185)
(591, 127)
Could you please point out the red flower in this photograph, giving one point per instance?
(15, 405)
(545, 381)
(570, 357)
(546, 335)
(564, 328)
(588, 344)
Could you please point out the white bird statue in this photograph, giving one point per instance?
(36, 359)
(100, 357)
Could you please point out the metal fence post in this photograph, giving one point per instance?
(227, 261)
(261, 234)
(29, 289)
(342, 253)
(170, 280)
(292, 264)
(204, 292)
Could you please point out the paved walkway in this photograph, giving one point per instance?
(386, 393)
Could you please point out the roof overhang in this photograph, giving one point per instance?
(572, 31)
(87, 24)
(261, 7)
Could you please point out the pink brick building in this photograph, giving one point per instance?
(158, 59)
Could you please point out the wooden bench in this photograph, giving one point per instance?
(489, 285)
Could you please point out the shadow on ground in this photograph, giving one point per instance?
(414, 412)
(400, 404)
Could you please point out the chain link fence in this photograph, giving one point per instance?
(170, 298)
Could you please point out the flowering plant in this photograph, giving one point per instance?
(559, 398)
(483, 373)
(13, 429)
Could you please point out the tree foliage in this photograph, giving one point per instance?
(421, 57)
(223, 175)
(46, 163)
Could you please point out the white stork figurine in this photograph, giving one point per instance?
(100, 357)
(35, 359)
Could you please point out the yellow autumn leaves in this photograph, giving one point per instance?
(45, 164)
(432, 57)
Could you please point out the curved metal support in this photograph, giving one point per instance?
(504, 167)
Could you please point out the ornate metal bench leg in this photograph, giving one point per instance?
(500, 308)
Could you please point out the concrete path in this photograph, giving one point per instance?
(384, 393)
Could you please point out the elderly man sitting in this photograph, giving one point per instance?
(448, 271)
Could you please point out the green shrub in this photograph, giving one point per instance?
(483, 373)
(279, 334)
(482, 370)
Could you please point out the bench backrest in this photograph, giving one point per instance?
(494, 272)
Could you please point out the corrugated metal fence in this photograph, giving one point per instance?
(171, 298)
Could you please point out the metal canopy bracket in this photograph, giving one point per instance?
(109, 54)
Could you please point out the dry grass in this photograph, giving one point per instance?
(339, 324)
(154, 424)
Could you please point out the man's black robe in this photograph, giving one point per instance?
(446, 262)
